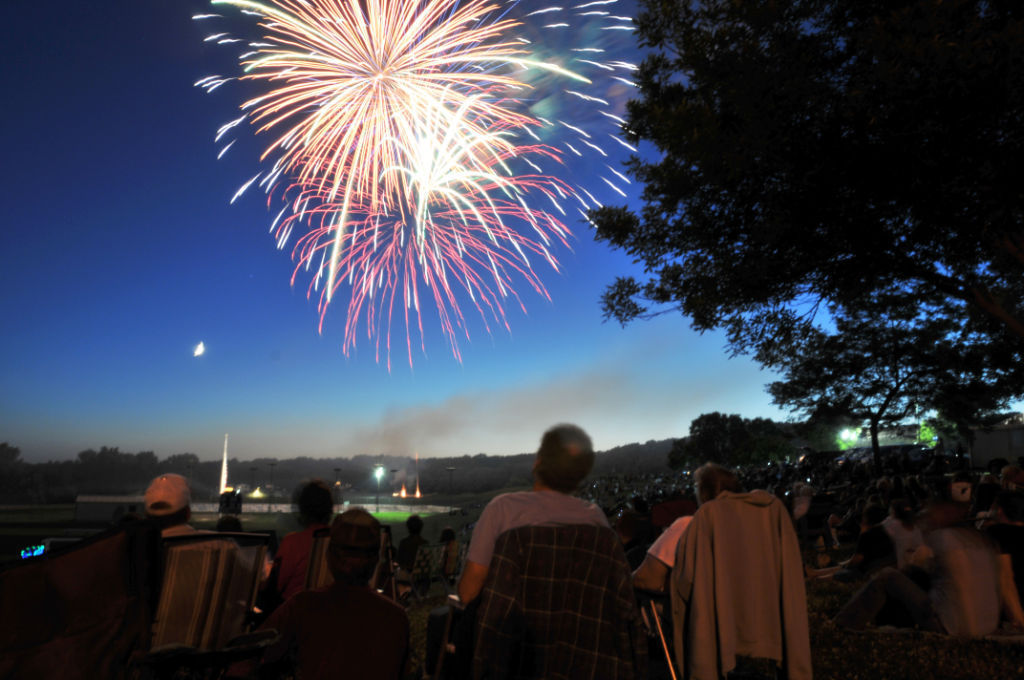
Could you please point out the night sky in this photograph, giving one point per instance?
(120, 252)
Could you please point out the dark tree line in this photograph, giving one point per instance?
(110, 471)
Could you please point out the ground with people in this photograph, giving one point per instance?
(875, 654)
(888, 654)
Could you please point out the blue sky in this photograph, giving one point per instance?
(119, 252)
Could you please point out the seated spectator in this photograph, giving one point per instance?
(965, 594)
(410, 545)
(626, 526)
(316, 505)
(847, 527)
(984, 496)
(449, 555)
(960, 489)
(736, 585)
(169, 503)
(1012, 477)
(653, 573)
(874, 550)
(900, 525)
(1008, 533)
(803, 494)
(344, 629)
(563, 461)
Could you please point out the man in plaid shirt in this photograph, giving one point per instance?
(563, 460)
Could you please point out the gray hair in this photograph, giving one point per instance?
(565, 458)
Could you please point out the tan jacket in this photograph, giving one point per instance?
(737, 588)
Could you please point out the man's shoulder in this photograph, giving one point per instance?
(511, 498)
(385, 608)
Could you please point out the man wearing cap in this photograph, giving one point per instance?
(345, 629)
(563, 460)
(168, 502)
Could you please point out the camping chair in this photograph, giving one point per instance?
(81, 611)
(654, 605)
(449, 582)
(558, 603)
(317, 573)
(208, 591)
(738, 589)
(422, 574)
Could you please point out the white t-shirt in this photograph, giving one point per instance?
(965, 590)
(906, 541)
(664, 547)
(527, 508)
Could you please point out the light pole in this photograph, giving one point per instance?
(378, 472)
(252, 479)
(450, 470)
(271, 485)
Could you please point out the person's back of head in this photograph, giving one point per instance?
(168, 500)
(354, 547)
(960, 487)
(1010, 505)
(414, 525)
(1011, 477)
(564, 459)
(315, 502)
(712, 479)
(873, 514)
(901, 510)
(447, 535)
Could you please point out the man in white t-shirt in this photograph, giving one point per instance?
(563, 460)
(652, 574)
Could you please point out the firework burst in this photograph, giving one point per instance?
(407, 156)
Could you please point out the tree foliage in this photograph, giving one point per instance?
(885, 370)
(730, 440)
(824, 159)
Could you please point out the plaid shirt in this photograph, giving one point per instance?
(559, 603)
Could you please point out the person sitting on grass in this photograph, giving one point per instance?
(903, 530)
(965, 596)
(449, 555)
(874, 550)
(1008, 533)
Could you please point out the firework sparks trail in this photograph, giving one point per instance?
(454, 234)
(395, 129)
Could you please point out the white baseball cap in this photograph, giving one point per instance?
(166, 495)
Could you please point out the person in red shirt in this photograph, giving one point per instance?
(316, 505)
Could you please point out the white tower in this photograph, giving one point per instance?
(224, 466)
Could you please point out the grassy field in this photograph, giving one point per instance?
(21, 526)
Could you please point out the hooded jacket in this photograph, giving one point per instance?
(737, 588)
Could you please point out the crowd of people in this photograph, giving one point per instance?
(932, 545)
